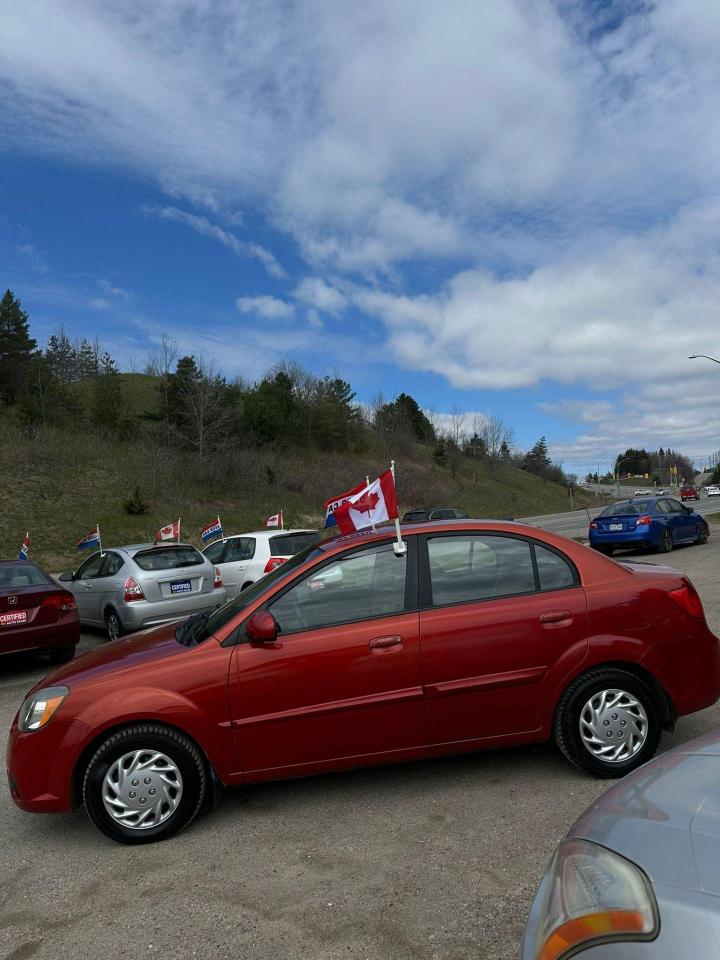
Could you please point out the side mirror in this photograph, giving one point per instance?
(262, 627)
(687, 509)
(66, 576)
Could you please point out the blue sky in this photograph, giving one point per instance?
(508, 209)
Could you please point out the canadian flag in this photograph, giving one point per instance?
(276, 520)
(170, 532)
(373, 504)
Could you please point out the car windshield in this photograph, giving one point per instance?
(21, 574)
(192, 632)
(627, 508)
(287, 545)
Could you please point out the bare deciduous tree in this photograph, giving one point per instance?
(455, 437)
(204, 415)
(495, 433)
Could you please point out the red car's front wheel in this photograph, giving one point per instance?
(144, 783)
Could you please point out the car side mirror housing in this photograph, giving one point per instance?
(262, 627)
(66, 576)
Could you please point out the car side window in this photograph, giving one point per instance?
(662, 506)
(91, 568)
(674, 506)
(554, 571)
(113, 564)
(477, 567)
(215, 551)
(359, 586)
(242, 548)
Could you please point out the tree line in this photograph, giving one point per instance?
(195, 408)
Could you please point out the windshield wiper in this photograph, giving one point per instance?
(186, 632)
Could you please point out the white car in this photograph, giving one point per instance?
(713, 490)
(245, 557)
(643, 493)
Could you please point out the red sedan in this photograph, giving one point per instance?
(36, 613)
(480, 635)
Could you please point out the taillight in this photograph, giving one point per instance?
(689, 601)
(218, 578)
(593, 525)
(643, 521)
(273, 562)
(133, 590)
(61, 601)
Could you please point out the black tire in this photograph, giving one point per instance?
(666, 542)
(113, 625)
(60, 655)
(703, 533)
(568, 714)
(246, 585)
(146, 737)
(607, 551)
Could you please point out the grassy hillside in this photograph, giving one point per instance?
(57, 484)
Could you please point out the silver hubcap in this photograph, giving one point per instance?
(112, 627)
(613, 725)
(142, 789)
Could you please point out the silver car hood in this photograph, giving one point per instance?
(665, 817)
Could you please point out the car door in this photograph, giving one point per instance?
(86, 589)
(240, 551)
(343, 678)
(681, 522)
(502, 617)
(106, 587)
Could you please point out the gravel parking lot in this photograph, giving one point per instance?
(438, 859)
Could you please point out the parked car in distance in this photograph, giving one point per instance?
(643, 492)
(434, 513)
(142, 585)
(246, 557)
(657, 523)
(689, 491)
(480, 635)
(36, 613)
(638, 875)
(713, 490)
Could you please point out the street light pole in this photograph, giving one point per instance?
(704, 356)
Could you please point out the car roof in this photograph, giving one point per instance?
(268, 533)
(132, 548)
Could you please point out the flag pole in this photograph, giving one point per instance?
(400, 547)
(179, 519)
(97, 527)
(367, 481)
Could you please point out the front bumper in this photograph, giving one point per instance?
(152, 613)
(40, 764)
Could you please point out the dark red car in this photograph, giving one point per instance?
(36, 613)
(689, 492)
(481, 635)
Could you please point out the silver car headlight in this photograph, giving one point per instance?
(593, 896)
(38, 709)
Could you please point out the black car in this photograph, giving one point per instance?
(434, 513)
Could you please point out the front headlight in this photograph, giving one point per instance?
(593, 896)
(39, 707)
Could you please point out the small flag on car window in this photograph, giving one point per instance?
(92, 539)
(213, 529)
(276, 520)
(170, 532)
(23, 555)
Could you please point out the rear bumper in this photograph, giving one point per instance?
(688, 669)
(633, 538)
(145, 613)
(65, 633)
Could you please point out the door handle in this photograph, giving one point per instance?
(555, 617)
(384, 643)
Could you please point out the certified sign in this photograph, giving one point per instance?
(17, 616)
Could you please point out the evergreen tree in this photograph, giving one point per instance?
(271, 411)
(87, 362)
(108, 394)
(336, 419)
(440, 453)
(60, 354)
(537, 460)
(505, 452)
(16, 348)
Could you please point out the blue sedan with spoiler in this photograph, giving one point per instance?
(658, 523)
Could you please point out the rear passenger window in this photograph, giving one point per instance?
(166, 558)
(554, 571)
(113, 563)
(478, 568)
(242, 548)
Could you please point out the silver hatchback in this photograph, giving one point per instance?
(143, 585)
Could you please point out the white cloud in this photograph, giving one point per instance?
(205, 228)
(582, 411)
(314, 292)
(269, 308)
